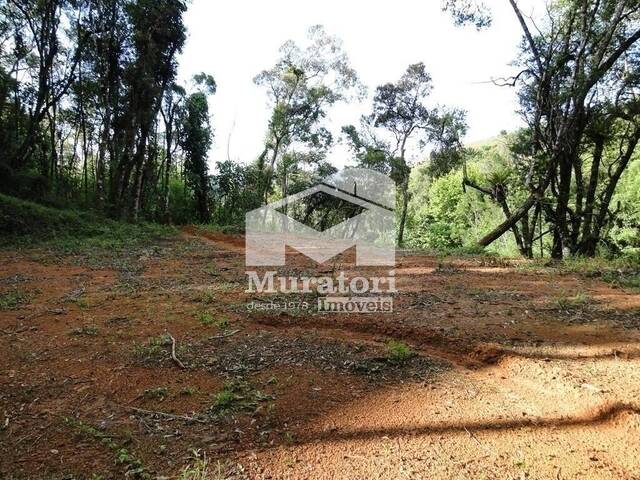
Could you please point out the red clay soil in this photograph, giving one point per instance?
(514, 376)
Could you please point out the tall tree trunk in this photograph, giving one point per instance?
(403, 213)
(603, 210)
(587, 245)
(561, 238)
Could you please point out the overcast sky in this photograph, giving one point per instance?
(236, 40)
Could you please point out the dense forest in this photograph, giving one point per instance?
(92, 117)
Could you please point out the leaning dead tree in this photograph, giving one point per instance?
(577, 86)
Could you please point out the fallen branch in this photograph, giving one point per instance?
(225, 335)
(173, 352)
(52, 311)
(20, 330)
(184, 418)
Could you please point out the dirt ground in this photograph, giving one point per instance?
(518, 373)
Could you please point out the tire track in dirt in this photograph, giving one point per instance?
(377, 331)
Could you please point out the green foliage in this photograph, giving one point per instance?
(237, 395)
(182, 205)
(157, 393)
(302, 86)
(568, 303)
(188, 391)
(207, 297)
(443, 222)
(469, 12)
(620, 272)
(26, 223)
(446, 218)
(198, 469)
(625, 234)
(205, 318)
(235, 190)
(11, 299)
(87, 331)
(222, 323)
(201, 468)
(398, 352)
(134, 466)
(153, 348)
(196, 140)
(19, 218)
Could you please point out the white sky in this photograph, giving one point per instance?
(235, 40)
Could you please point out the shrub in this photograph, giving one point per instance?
(398, 352)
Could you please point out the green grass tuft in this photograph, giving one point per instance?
(399, 352)
(11, 299)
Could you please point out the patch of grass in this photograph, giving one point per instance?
(398, 352)
(86, 331)
(134, 467)
(82, 303)
(205, 318)
(188, 391)
(158, 393)
(225, 399)
(124, 288)
(620, 279)
(207, 298)
(212, 270)
(237, 395)
(11, 299)
(579, 300)
(153, 348)
(201, 469)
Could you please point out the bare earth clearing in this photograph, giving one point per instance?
(515, 376)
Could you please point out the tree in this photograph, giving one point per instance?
(171, 110)
(158, 35)
(196, 141)
(400, 113)
(301, 87)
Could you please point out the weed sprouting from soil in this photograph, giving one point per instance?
(205, 318)
(87, 331)
(398, 352)
(201, 468)
(207, 298)
(222, 323)
(158, 393)
(134, 467)
(153, 349)
(11, 299)
(577, 301)
(237, 395)
(188, 391)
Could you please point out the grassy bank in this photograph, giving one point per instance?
(28, 224)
